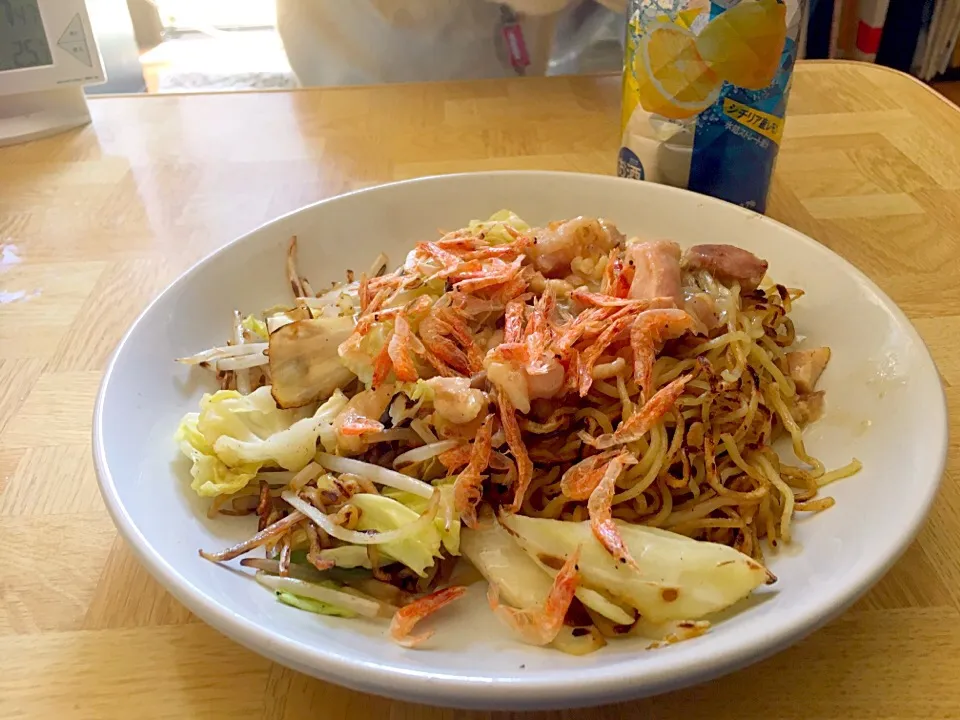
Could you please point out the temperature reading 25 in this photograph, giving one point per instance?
(24, 55)
(23, 40)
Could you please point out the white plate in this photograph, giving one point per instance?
(885, 406)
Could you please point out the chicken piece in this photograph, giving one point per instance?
(656, 267)
(727, 263)
(559, 243)
(808, 408)
(806, 366)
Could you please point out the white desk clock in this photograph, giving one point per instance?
(47, 54)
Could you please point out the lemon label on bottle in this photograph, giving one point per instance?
(770, 126)
(704, 93)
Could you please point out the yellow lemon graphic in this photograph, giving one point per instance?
(671, 78)
(631, 97)
(743, 45)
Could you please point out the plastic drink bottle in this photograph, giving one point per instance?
(705, 87)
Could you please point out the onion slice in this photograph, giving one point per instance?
(377, 474)
(361, 606)
(420, 454)
(326, 523)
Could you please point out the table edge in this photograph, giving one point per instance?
(881, 69)
(859, 64)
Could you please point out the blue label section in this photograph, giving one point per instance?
(731, 161)
(629, 165)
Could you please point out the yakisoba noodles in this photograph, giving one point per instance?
(590, 421)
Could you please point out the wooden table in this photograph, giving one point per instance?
(95, 222)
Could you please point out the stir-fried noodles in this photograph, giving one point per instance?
(548, 403)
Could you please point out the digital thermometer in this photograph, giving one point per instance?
(47, 54)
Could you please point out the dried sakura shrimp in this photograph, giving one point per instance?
(408, 616)
(540, 625)
(599, 505)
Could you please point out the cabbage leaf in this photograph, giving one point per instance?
(252, 429)
(494, 228)
(359, 360)
(450, 536)
(679, 578)
(381, 513)
(234, 436)
(314, 606)
(211, 476)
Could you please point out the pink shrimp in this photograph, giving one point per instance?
(640, 423)
(513, 322)
(517, 353)
(540, 625)
(445, 258)
(580, 480)
(381, 365)
(461, 332)
(514, 288)
(408, 616)
(538, 335)
(457, 458)
(495, 273)
(359, 417)
(434, 332)
(601, 300)
(511, 429)
(501, 251)
(590, 356)
(352, 423)
(363, 291)
(650, 330)
(456, 242)
(568, 334)
(400, 348)
(443, 370)
(617, 276)
(467, 490)
(468, 270)
(600, 508)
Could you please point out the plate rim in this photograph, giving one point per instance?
(512, 693)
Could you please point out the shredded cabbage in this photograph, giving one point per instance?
(211, 476)
(447, 521)
(253, 429)
(314, 606)
(359, 361)
(381, 513)
(493, 228)
(234, 436)
(433, 288)
(347, 556)
(681, 578)
(257, 326)
(420, 390)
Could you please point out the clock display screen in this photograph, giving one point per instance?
(23, 42)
